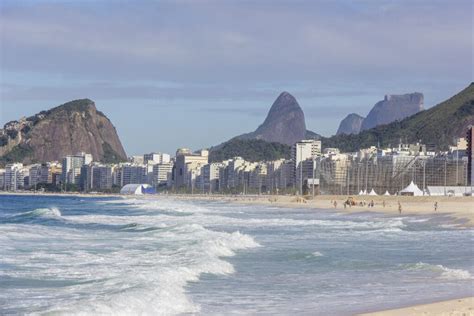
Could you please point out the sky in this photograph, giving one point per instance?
(196, 73)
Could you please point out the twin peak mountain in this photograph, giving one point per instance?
(285, 122)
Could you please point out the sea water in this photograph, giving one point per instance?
(161, 256)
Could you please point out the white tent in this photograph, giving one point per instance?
(361, 192)
(136, 189)
(386, 193)
(372, 192)
(412, 189)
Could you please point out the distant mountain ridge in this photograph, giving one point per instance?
(437, 126)
(392, 108)
(73, 127)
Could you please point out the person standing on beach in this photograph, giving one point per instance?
(399, 207)
(436, 206)
(335, 204)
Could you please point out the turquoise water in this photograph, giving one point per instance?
(154, 256)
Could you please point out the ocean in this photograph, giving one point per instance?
(162, 256)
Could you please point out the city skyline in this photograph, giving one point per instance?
(196, 66)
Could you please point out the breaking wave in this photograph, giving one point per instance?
(444, 272)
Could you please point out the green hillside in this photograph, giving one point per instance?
(438, 126)
(249, 149)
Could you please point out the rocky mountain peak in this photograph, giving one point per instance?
(392, 108)
(73, 127)
(351, 124)
(284, 123)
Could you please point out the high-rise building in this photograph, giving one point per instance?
(301, 151)
(470, 155)
(162, 173)
(14, 177)
(71, 167)
(133, 174)
(39, 173)
(2, 179)
(155, 158)
(188, 167)
(210, 176)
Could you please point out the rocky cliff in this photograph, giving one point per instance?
(73, 127)
(393, 108)
(283, 126)
(438, 127)
(284, 123)
(351, 124)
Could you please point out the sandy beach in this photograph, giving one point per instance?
(460, 208)
(457, 307)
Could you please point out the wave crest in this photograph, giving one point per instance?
(445, 273)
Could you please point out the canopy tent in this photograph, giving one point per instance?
(137, 189)
(361, 192)
(372, 192)
(386, 193)
(412, 189)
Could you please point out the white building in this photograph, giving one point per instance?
(2, 179)
(210, 176)
(162, 174)
(301, 151)
(155, 158)
(71, 167)
(14, 177)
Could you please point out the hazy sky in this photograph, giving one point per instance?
(195, 73)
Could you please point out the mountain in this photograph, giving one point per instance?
(73, 127)
(437, 126)
(283, 126)
(393, 108)
(351, 124)
(284, 123)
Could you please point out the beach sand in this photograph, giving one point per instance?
(460, 208)
(457, 307)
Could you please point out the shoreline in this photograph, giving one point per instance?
(460, 306)
(461, 209)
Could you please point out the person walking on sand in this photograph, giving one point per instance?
(436, 206)
(335, 204)
(399, 207)
(383, 203)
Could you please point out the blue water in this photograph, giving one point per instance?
(128, 256)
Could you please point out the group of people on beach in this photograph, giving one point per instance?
(350, 202)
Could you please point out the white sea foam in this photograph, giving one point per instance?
(444, 272)
(317, 254)
(40, 212)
